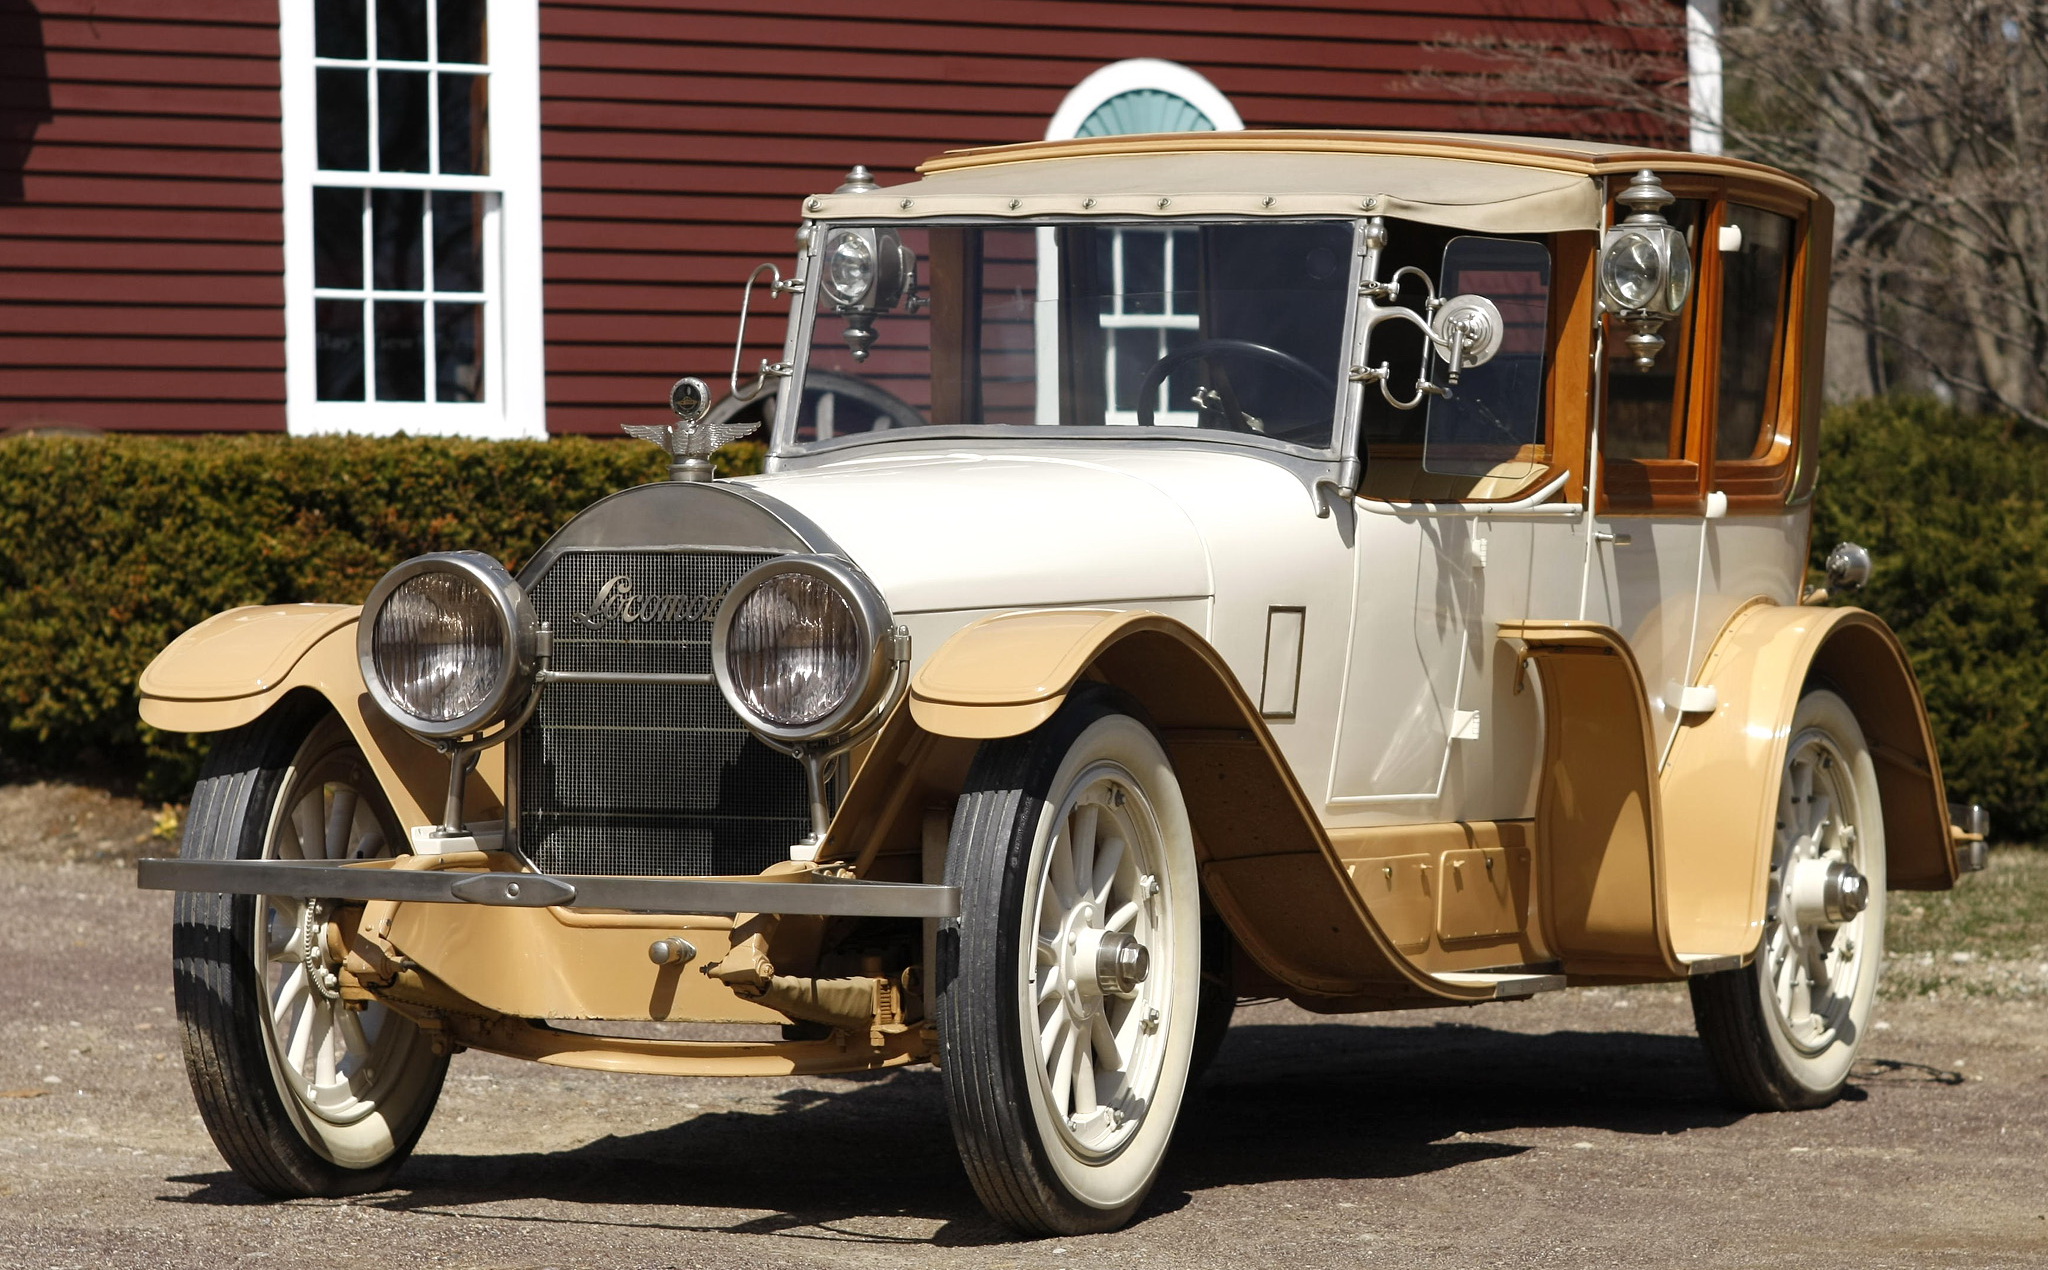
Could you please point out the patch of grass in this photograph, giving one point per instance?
(1987, 937)
(1999, 913)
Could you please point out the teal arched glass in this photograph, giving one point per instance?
(1144, 110)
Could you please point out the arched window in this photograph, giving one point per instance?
(1142, 94)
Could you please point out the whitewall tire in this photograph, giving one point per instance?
(1783, 1032)
(1070, 985)
(302, 1094)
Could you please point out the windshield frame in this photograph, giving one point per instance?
(804, 316)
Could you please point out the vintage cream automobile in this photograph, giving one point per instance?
(1366, 569)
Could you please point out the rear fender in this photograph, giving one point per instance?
(236, 666)
(1720, 814)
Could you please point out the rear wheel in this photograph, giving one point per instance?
(1069, 987)
(1782, 1032)
(302, 1094)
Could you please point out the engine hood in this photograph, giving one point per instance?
(951, 532)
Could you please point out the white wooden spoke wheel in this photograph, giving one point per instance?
(337, 1062)
(302, 1094)
(1069, 986)
(1098, 986)
(1784, 1031)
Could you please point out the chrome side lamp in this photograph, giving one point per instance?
(1645, 267)
(866, 270)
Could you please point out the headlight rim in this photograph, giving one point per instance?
(871, 614)
(518, 627)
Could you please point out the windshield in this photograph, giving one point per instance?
(1214, 327)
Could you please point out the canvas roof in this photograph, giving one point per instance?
(1487, 183)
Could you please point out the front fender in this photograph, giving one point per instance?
(232, 668)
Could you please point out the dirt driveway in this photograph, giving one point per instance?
(1575, 1130)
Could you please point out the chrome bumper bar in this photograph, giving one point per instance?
(800, 894)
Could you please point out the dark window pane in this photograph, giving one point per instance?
(401, 361)
(342, 107)
(401, 121)
(458, 242)
(1136, 353)
(1144, 271)
(458, 352)
(395, 238)
(402, 30)
(462, 31)
(465, 141)
(339, 29)
(337, 238)
(338, 341)
(1752, 310)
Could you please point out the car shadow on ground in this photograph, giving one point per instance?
(1328, 1100)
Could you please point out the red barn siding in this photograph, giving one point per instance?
(141, 230)
(677, 138)
(140, 177)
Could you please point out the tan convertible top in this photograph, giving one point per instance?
(1497, 184)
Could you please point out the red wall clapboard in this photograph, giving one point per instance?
(140, 200)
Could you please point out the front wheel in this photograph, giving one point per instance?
(302, 1094)
(1782, 1032)
(1070, 985)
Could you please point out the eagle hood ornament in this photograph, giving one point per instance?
(690, 440)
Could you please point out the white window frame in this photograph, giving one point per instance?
(1084, 99)
(514, 401)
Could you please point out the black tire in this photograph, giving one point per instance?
(1049, 1155)
(1773, 1041)
(360, 1123)
(1219, 997)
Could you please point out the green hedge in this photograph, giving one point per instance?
(1954, 510)
(109, 547)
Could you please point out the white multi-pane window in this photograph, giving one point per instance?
(1149, 310)
(412, 239)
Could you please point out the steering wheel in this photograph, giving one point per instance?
(1234, 416)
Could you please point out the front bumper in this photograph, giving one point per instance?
(800, 894)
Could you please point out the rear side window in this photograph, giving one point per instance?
(1756, 260)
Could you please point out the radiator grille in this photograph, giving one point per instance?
(632, 779)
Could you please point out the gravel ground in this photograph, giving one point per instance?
(1577, 1129)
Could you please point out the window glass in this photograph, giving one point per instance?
(1645, 409)
(1489, 421)
(413, 329)
(1755, 269)
(1216, 327)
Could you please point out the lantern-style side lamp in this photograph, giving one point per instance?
(1645, 267)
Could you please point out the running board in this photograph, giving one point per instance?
(1505, 986)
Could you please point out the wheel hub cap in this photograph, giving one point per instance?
(1827, 893)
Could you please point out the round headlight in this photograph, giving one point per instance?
(1631, 271)
(849, 267)
(797, 647)
(445, 643)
